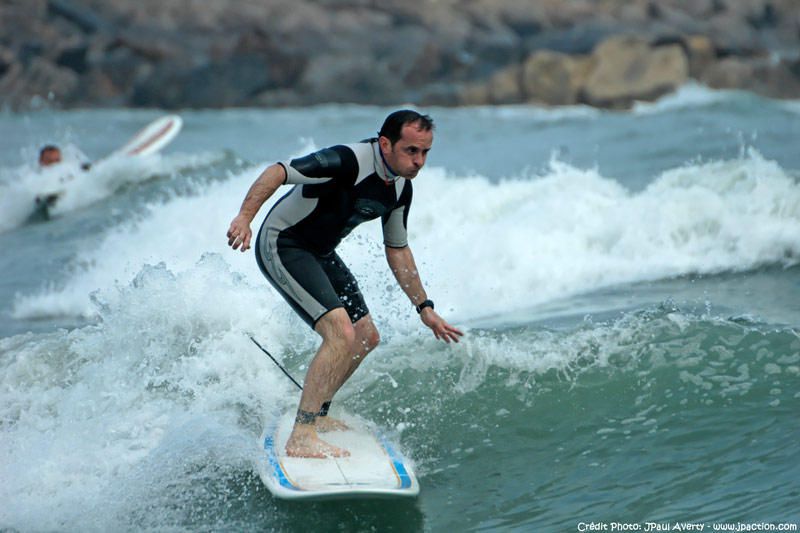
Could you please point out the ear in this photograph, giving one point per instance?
(385, 144)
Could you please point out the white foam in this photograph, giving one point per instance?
(106, 426)
(19, 186)
(689, 95)
(93, 418)
(487, 248)
(79, 188)
(792, 106)
(527, 112)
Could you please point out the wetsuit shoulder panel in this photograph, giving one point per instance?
(336, 162)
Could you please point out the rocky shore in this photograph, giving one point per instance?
(219, 53)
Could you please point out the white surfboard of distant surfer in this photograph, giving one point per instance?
(152, 138)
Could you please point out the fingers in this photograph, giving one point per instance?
(234, 241)
(238, 236)
(454, 333)
(449, 336)
(446, 332)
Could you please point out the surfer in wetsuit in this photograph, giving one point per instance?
(336, 189)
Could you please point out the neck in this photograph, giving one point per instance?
(391, 174)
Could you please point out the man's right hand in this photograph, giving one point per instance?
(239, 233)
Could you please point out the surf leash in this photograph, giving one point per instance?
(288, 375)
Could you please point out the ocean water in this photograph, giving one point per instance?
(629, 283)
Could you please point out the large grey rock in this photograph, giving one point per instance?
(776, 80)
(178, 53)
(781, 80)
(576, 40)
(732, 35)
(230, 83)
(336, 78)
(729, 73)
(555, 79)
(628, 69)
(701, 54)
(39, 78)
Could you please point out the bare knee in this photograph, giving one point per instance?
(372, 339)
(366, 335)
(337, 330)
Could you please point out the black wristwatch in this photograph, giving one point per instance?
(423, 305)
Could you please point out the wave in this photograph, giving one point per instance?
(79, 188)
(531, 113)
(515, 244)
(108, 426)
(792, 106)
(688, 96)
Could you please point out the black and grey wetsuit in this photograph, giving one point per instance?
(335, 190)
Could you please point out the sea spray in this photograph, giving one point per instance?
(525, 241)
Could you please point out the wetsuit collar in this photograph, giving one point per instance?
(381, 166)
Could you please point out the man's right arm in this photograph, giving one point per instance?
(239, 233)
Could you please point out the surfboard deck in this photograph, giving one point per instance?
(374, 469)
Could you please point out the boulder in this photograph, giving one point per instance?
(285, 67)
(576, 40)
(523, 18)
(38, 78)
(230, 83)
(85, 19)
(733, 36)
(728, 73)
(350, 78)
(441, 94)
(121, 67)
(429, 63)
(471, 94)
(6, 60)
(627, 69)
(491, 49)
(97, 87)
(177, 53)
(553, 78)
(777, 80)
(504, 86)
(279, 98)
(701, 53)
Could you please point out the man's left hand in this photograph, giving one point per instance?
(441, 329)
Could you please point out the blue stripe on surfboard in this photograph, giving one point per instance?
(397, 462)
(269, 447)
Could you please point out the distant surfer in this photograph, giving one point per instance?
(335, 190)
(50, 155)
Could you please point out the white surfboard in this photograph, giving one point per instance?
(374, 469)
(152, 138)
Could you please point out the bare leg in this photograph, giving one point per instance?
(326, 373)
(367, 338)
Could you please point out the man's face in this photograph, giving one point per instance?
(407, 156)
(50, 157)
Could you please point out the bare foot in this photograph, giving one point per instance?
(326, 423)
(304, 442)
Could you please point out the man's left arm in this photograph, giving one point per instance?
(401, 261)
